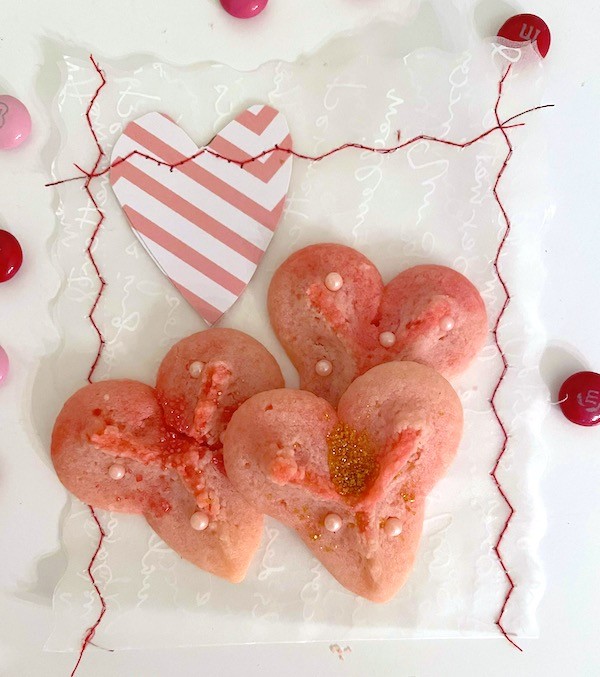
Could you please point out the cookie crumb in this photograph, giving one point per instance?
(338, 651)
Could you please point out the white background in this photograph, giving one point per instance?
(186, 31)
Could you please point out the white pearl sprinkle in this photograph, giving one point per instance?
(447, 323)
(195, 369)
(334, 281)
(387, 339)
(116, 472)
(392, 527)
(323, 368)
(333, 522)
(199, 521)
(106, 397)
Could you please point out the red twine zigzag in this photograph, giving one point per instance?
(91, 631)
(100, 218)
(511, 585)
(96, 172)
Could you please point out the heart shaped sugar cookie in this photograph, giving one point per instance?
(351, 482)
(336, 319)
(206, 222)
(120, 445)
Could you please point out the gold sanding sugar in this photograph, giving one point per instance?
(351, 459)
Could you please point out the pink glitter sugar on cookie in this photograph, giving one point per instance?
(204, 378)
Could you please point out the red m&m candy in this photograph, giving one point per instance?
(527, 28)
(11, 256)
(579, 398)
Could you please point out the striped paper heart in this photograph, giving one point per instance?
(208, 222)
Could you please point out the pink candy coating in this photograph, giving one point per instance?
(116, 472)
(3, 364)
(323, 367)
(15, 122)
(392, 527)
(387, 339)
(447, 323)
(334, 281)
(244, 9)
(333, 522)
(199, 521)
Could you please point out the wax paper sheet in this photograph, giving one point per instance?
(430, 202)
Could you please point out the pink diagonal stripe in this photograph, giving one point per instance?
(182, 251)
(272, 225)
(257, 123)
(163, 151)
(202, 307)
(187, 210)
(261, 170)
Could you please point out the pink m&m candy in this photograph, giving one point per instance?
(244, 9)
(15, 122)
(579, 398)
(3, 365)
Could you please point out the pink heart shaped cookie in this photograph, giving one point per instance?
(115, 447)
(351, 482)
(336, 319)
(206, 222)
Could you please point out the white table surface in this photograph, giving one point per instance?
(186, 31)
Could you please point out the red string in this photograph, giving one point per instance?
(511, 585)
(87, 177)
(301, 156)
(89, 109)
(91, 631)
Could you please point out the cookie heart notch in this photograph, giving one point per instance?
(327, 302)
(352, 483)
(126, 447)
